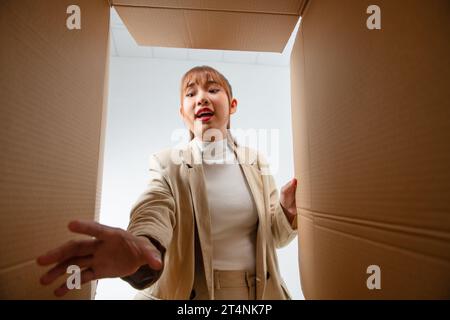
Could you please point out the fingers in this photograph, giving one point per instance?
(68, 250)
(90, 228)
(61, 268)
(85, 276)
(77, 248)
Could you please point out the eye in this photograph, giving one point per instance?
(189, 94)
(214, 90)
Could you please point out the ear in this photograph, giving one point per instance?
(233, 106)
(181, 112)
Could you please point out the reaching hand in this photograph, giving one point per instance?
(112, 252)
(287, 199)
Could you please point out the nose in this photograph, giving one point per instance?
(202, 98)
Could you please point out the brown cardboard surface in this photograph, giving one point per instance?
(342, 252)
(371, 131)
(262, 6)
(52, 100)
(219, 26)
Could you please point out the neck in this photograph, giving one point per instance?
(217, 152)
(206, 143)
(212, 138)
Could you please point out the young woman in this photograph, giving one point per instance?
(209, 222)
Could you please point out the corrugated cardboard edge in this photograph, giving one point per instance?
(300, 137)
(101, 147)
(303, 8)
(118, 3)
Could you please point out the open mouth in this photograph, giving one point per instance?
(204, 114)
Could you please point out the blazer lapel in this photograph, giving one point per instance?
(193, 160)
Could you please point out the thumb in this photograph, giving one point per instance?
(291, 185)
(152, 257)
(294, 182)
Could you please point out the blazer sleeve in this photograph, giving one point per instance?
(153, 217)
(283, 232)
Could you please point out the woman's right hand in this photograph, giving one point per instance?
(112, 252)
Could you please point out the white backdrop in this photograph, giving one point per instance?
(143, 114)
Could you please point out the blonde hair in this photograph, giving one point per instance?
(201, 75)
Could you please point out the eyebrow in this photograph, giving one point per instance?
(191, 84)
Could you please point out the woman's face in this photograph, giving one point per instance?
(206, 110)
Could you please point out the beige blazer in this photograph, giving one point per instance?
(175, 205)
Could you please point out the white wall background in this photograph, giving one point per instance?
(143, 114)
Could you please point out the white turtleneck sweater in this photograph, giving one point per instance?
(233, 212)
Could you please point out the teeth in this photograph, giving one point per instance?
(205, 114)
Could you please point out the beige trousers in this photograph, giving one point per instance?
(228, 285)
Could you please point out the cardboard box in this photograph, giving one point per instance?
(371, 119)
(52, 97)
(370, 112)
(228, 25)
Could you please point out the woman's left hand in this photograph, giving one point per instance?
(287, 199)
